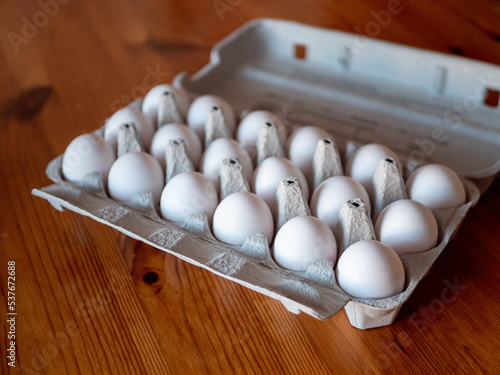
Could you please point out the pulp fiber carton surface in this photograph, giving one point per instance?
(426, 106)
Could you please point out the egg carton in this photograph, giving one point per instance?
(359, 91)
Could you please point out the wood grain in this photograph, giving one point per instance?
(87, 298)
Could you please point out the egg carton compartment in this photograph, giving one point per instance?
(358, 98)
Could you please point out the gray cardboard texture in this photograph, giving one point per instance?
(384, 93)
(426, 106)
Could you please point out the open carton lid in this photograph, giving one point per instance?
(427, 106)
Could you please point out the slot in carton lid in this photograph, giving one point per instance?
(428, 106)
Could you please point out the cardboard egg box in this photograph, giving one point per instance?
(428, 107)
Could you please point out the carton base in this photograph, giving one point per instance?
(364, 317)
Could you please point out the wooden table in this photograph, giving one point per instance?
(90, 300)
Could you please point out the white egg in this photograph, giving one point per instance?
(129, 115)
(188, 193)
(152, 100)
(268, 175)
(241, 215)
(85, 154)
(135, 172)
(331, 194)
(407, 226)
(199, 109)
(370, 269)
(301, 146)
(303, 241)
(219, 150)
(171, 132)
(363, 163)
(436, 186)
(249, 127)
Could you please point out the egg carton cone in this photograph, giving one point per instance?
(128, 140)
(414, 101)
(268, 142)
(232, 179)
(168, 111)
(176, 159)
(326, 162)
(216, 126)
